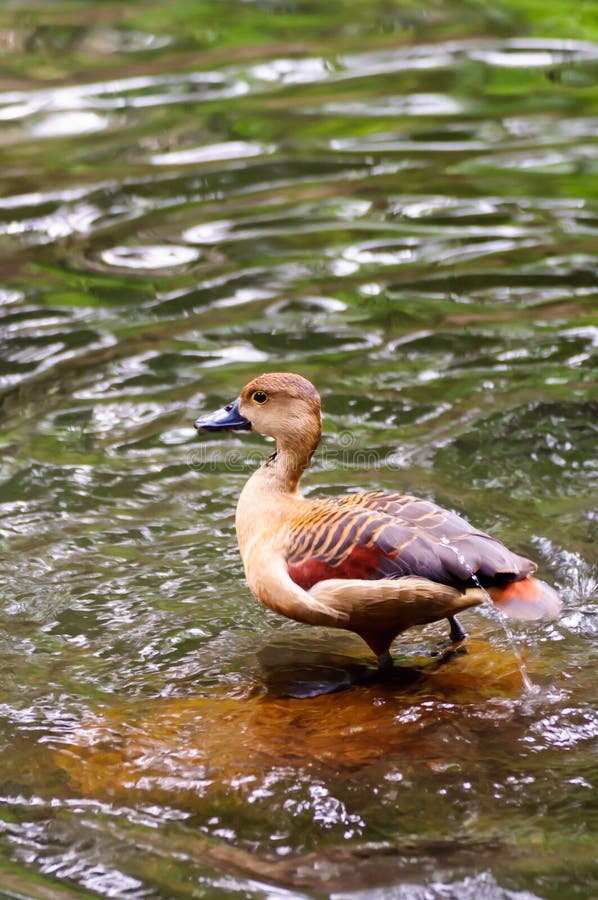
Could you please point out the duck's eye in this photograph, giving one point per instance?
(259, 397)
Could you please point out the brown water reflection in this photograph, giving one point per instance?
(247, 770)
(187, 747)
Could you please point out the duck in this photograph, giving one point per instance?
(375, 563)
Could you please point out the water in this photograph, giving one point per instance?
(513, 644)
(399, 202)
(494, 610)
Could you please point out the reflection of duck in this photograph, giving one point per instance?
(374, 563)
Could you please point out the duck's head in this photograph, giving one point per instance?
(280, 404)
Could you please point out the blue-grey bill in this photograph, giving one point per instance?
(227, 419)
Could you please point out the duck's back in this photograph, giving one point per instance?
(388, 535)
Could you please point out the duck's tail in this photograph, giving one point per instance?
(528, 598)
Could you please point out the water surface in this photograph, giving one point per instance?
(400, 202)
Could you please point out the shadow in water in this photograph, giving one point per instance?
(308, 664)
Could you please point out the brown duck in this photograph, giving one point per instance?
(375, 563)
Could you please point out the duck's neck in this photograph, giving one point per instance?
(265, 499)
(283, 470)
(281, 473)
(279, 476)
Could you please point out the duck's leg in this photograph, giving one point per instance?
(385, 662)
(457, 632)
(447, 649)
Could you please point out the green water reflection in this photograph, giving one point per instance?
(397, 200)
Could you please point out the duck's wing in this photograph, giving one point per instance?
(405, 507)
(378, 535)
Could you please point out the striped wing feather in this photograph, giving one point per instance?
(390, 535)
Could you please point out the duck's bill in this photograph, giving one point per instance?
(227, 419)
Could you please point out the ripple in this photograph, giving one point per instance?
(538, 161)
(522, 53)
(409, 105)
(568, 727)
(212, 232)
(156, 256)
(68, 123)
(381, 253)
(554, 438)
(539, 52)
(212, 153)
(242, 352)
(293, 71)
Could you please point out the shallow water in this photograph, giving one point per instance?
(400, 202)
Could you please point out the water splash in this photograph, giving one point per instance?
(529, 686)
